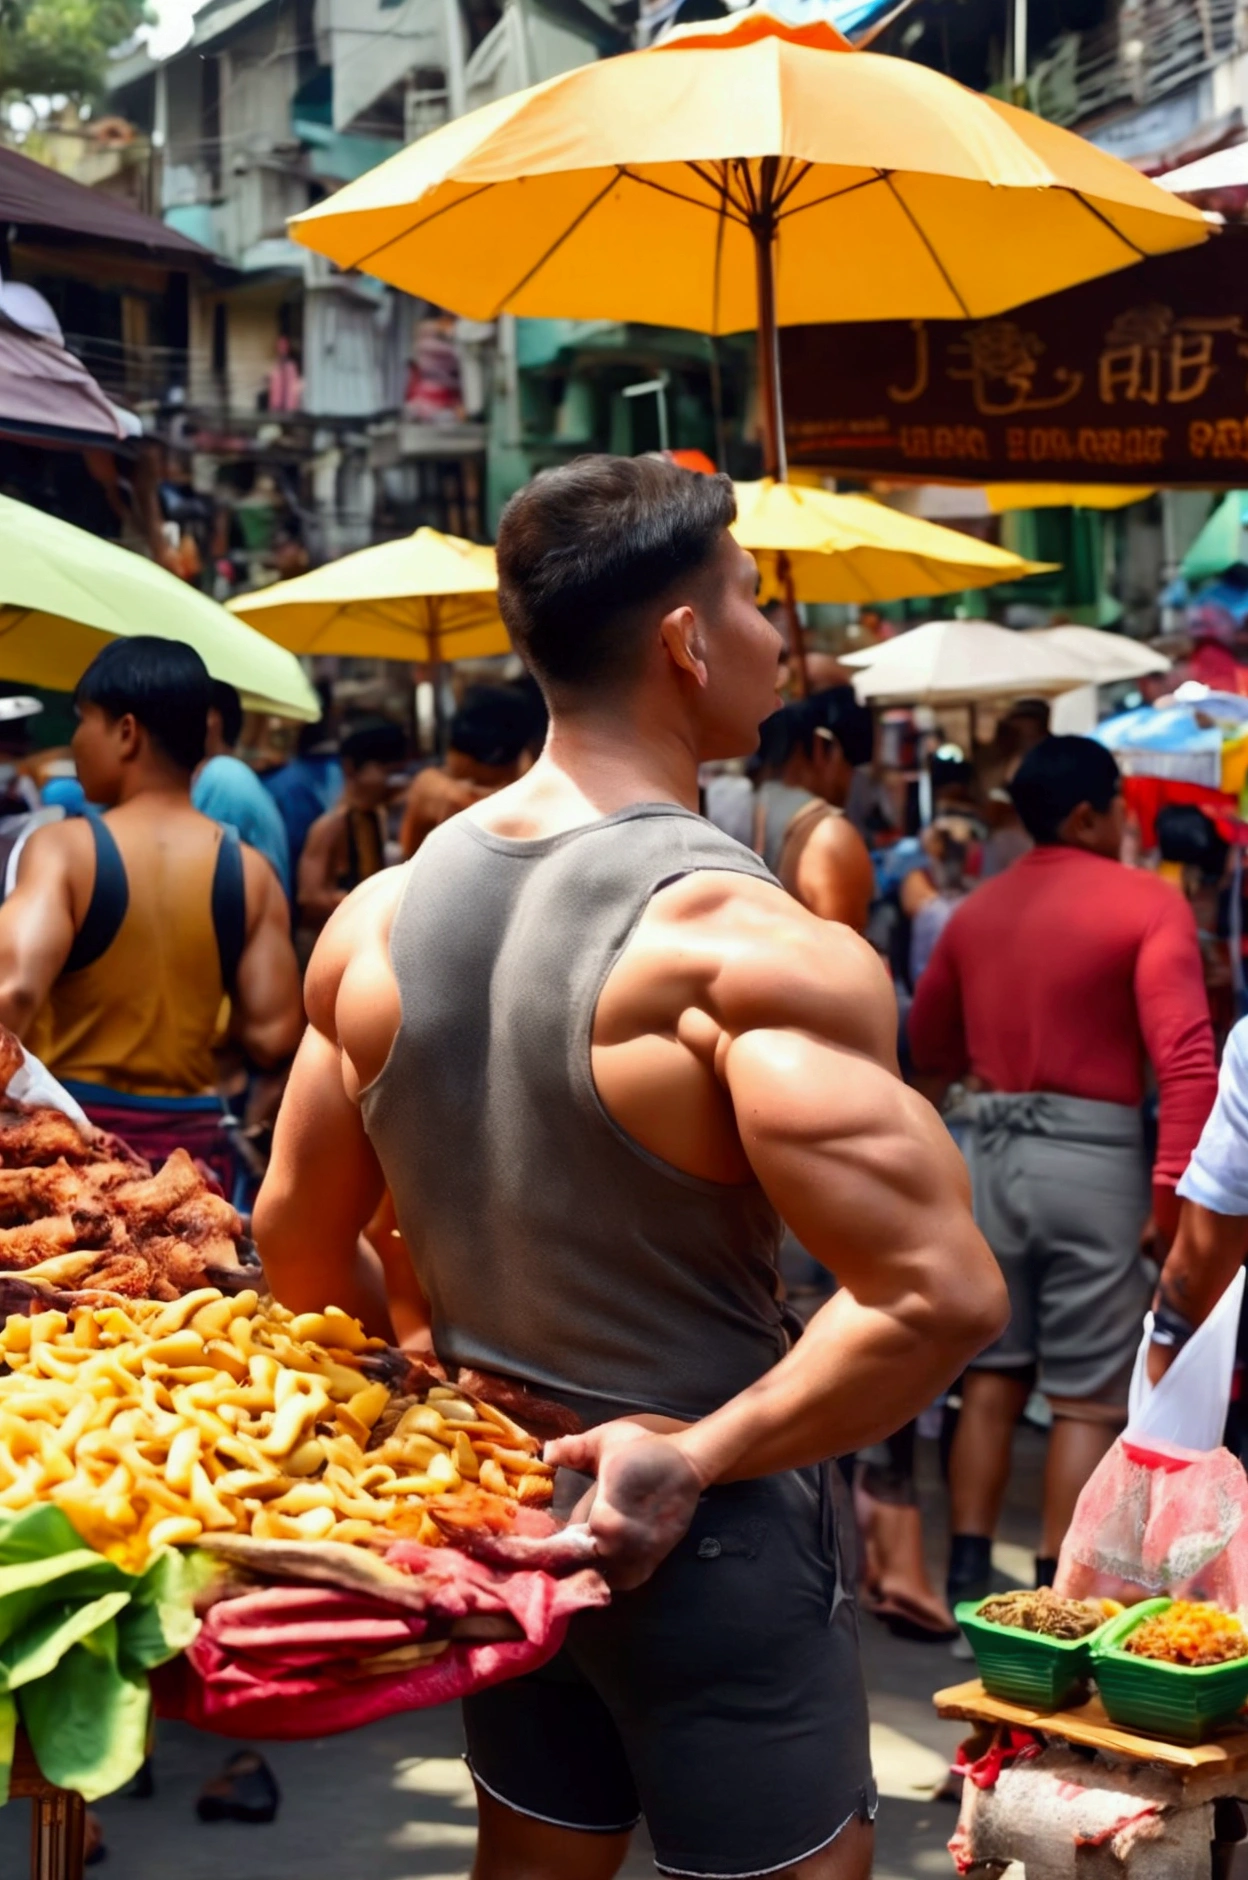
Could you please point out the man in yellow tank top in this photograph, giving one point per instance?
(135, 942)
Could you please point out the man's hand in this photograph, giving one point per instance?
(644, 1497)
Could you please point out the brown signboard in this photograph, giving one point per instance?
(1139, 377)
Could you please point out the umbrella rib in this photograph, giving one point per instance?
(720, 185)
(559, 240)
(866, 182)
(791, 181)
(665, 189)
(1101, 217)
(414, 228)
(923, 236)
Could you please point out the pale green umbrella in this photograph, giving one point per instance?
(63, 593)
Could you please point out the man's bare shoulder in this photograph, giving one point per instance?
(759, 960)
(65, 846)
(358, 931)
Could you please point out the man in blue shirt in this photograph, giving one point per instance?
(229, 791)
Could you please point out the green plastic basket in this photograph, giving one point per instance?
(1026, 1667)
(1181, 1703)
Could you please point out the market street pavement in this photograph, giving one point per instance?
(394, 1802)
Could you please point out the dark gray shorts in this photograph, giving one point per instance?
(1061, 1195)
(723, 1700)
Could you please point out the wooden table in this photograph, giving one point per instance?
(58, 1819)
(1225, 1754)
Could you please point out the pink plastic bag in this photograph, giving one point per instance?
(1158, 1519)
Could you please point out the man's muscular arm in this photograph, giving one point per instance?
(37, 922)
(866, 1175)
(323, 1184)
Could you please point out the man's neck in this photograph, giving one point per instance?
(614, 762)
(155, 784)
(353, 800)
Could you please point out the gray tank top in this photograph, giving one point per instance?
(552, 1247)
(779, 806)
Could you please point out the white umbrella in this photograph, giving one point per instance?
(950, 661)
(1223, 169)
(1109, 658)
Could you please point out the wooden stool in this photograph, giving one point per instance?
(58, 1819)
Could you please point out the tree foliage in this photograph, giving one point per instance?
(52, 47)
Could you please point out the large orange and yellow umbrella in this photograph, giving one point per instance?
(747, 172)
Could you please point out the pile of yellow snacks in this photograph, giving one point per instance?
(151, 1424)
(1189, 1633)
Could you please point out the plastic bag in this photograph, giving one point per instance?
(32, 1082)
(1156, 1519)
(1189, 1405)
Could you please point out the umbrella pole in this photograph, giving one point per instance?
(435, 667)
(763, 228)
(797, 639)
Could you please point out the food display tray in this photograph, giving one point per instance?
(1182, 1703)
(1026, 1667)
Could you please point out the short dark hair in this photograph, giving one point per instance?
(373, 741)
(162, 683)
(224, 700)
(1056, 777)
(493, 724)
(585, 550)
(795, 726)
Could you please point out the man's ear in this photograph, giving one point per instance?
(129, 733)
(681, 633)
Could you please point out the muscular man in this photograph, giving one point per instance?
(597, 1056)
(134, 940)
(813, 747)
(1048, 991)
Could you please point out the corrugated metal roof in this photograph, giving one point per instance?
(35, 197)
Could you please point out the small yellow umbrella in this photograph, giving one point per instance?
(747, 172)
(812, 545)
(427, 597)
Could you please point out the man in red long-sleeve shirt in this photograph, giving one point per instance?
(1049, 990)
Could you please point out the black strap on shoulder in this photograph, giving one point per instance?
(229, 907)
(110, 897)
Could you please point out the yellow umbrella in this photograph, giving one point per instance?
(849, 548)
(747, 172)
(1002, 497)
(425, 597)
(64, 593)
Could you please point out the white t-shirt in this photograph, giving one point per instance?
(1217, 1175)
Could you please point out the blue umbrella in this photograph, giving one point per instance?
(1181, 739)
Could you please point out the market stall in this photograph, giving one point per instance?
(265, 1524)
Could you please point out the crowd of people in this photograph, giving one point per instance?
(623, 1038)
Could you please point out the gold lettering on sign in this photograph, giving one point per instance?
(1002, 362)
(906, 395)
(1151, 358)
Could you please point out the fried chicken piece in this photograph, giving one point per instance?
(145, 1206)
(12, 1056)
(178, 1264)
(206, 1217)
(131, 1274)
(27, 1194)
(35, 1138)
(27, 1245)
